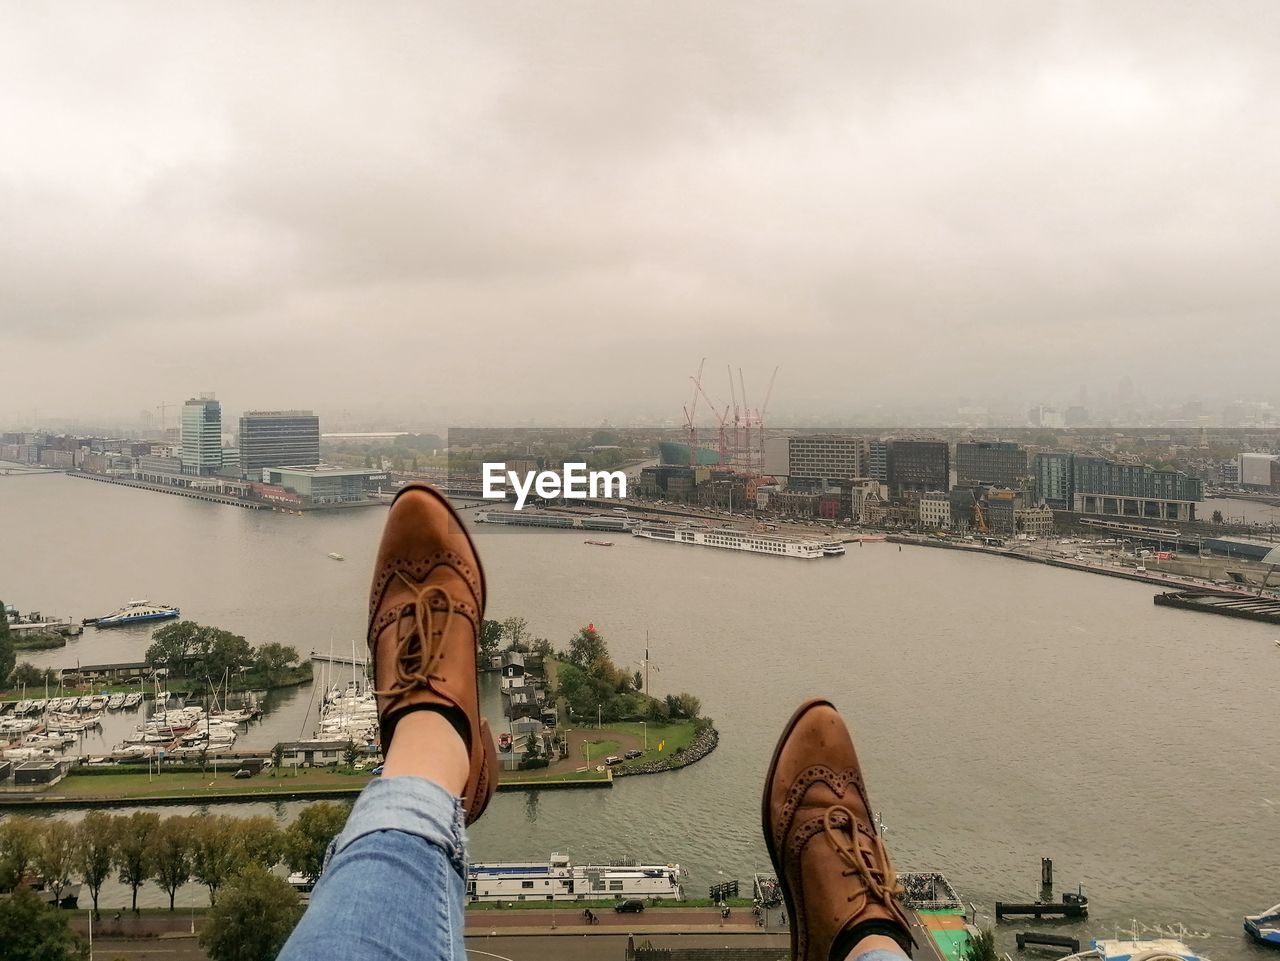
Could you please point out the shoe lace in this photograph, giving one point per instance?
(879, 880)
(418, 649)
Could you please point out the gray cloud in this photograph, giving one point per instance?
(552, 210)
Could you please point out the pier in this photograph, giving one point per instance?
(198, 495)
(1071, 906)
(1249, 607)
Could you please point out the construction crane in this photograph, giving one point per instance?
(164, 411)
(690, 411)
(980, 517)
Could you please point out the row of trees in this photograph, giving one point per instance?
(513, 634)
(188, 649)
(14, 675)
(594, 687)
(207, 849)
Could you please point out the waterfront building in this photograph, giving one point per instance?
(1104, 486)
(917, 466)
(1002, 506)
(935, 510)
(230, 462)
(1001, 463)
(1254, 470)
(201, 436)
(1053, 476)
(878, 461)
(962, 500)
(320, 485)
(827, 458)
(1035, 521)
(278, 438)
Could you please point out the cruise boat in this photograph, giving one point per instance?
(138, 612)
(1265, 927)
(559, 879)
(727, 538)
(832, 549)
(1132, 949)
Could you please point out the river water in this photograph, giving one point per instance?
(1003, 711)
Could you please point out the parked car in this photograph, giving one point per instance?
(629, 906)
(377, 771)
(612, 759)
(243, 773)
(632, 755)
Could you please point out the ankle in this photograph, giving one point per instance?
(427, 745)
(867, 938)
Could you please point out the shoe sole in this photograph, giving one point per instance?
(765, 819)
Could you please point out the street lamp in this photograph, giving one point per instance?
(645, 725)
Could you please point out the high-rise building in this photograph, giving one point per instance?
(201, 436)
(1053, 473)
(826, 457)
(1000, 463)
(1255, 470)
(878, 461)
(918, 466)
(278, 438)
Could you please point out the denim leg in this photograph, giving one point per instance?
(393, 883)
(881, 954)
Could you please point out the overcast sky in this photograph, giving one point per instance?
(552, 211)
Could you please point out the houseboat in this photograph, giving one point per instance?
(559, 879)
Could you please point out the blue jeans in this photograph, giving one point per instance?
(394, 882)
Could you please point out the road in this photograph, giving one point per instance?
(559, 947)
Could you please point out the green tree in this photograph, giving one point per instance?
(490, 639)
(982, 946)
(19, 842)
(683, 705)
(253, 918)
(259, 840)
(133, 850)
(307, 838)
(7, 656)
(516, 630)
(637, 681)
(28, 674)
(586, 648)
(1217, 517)
(55, 856)
(95, 843)
(543, 648)
(215, 850)
(169, 854)
(273, 659)
(349, 753)
(277, 757)
(226, 652)
(176, 645)
(32, 931)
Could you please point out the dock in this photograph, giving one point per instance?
(1071, 906)
(1254, 608)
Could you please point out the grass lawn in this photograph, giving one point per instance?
(125, 786)
(676, 734)
(601, 748)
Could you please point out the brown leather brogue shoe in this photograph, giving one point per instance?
(425, 609)
(831, 862)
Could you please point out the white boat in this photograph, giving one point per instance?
(132, 700)
(1136, 949)
(39, 706)
(832, 549)
(21, 708)
(99, 702)
(115, 702)
(537, 880)
(727, 538)
(138, 612)
(336, 556)
(83, 703)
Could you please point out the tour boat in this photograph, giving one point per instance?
(599, 543)
(559, 879)
(138, 612)
(1127, 949)
(728, 538)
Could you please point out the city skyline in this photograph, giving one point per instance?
(536, 216)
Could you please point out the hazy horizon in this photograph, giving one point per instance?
(544, 213)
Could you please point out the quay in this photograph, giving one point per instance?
(1249, 607)
(1071, 906)
(198, 495)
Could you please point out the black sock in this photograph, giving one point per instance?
(846, 940)
(450, 714)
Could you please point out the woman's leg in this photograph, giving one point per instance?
(394, 883)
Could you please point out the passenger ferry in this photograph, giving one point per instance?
(560, 880)
(136, 612)
(1127, 949)
(529, 518)
(1265, 927)
(727, 538)
(832, 549)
